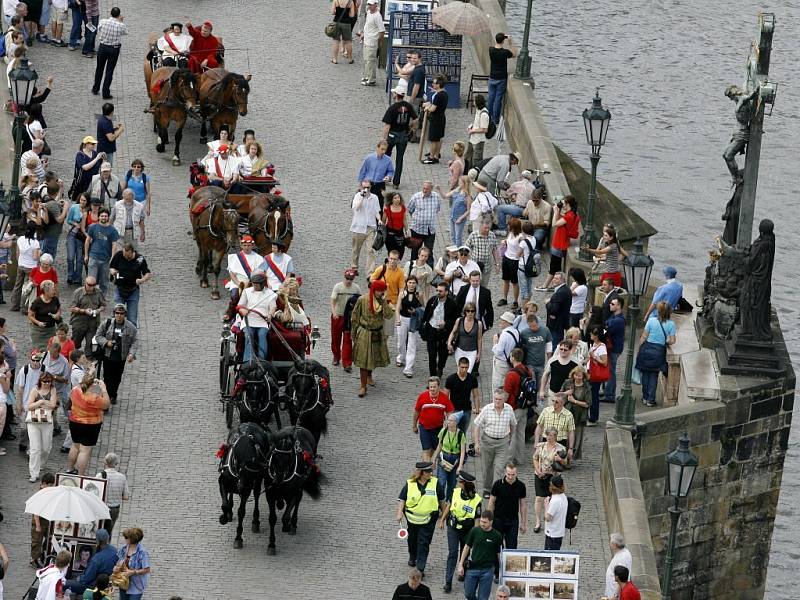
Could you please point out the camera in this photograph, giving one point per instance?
(471, 450)
(560, 205)
(557, 466)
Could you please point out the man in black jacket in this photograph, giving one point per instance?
(558, 308)
(480, 296)
(438, 319)
(611, 291)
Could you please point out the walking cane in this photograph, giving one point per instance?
(423, 133)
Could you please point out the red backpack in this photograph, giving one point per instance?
(573, 226)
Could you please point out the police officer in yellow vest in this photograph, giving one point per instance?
(461, 514)
(420, 501)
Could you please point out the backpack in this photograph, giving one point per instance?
(492, 129)
(573, 228)
(517, 343)
(144, 176)
(528, 391)
(529, 267)
(573, 510)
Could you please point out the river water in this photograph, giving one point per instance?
(662, 67)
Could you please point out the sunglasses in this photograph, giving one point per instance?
(469, 310)
(119, 312)
(90, 284)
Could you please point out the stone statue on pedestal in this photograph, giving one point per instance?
(754, 299)
(745, 104)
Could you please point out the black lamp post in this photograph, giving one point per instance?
(681, 466)
(637, 267)
(523, 70)
(23, 81)
(595, 122)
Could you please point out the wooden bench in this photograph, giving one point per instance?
(478, 84)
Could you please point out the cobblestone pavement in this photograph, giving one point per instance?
(316, 123)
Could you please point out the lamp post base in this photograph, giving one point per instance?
(523, 70)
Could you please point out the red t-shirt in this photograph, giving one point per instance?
(561, 235)
(395, 220)
(38, 277)
(432, 417)
(66, 348)
(512, 383)
(629, 592)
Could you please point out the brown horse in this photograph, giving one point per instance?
(270, 219)
(223, 97)
(215, 223)
(173, 96)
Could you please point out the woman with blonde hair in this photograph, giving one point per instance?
(89, 400)
(253, 163)
(545, 455)
(460, 197)
(290, 306)
(580, 349)
(455, 167)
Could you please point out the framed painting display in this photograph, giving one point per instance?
(541, 574)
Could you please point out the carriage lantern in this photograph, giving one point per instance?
(315, 336)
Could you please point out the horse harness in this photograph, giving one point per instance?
(212, 106)
(324, 400)
(170, 100)
(265, 380)
(212, 206)
(229, 463)
(298, 451)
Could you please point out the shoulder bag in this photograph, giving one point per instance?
(380, 236)
(121, 579)
(39, 415)
(599, 373)
(333, 27)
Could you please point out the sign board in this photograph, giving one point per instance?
(439, 50)
(540, 574)
(418, 6)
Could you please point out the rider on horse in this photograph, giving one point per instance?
(205, 48)
(174, 46)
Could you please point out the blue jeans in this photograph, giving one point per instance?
(449, 479)
(594, 407)
(49, 245)
(649, 385)
(503, 210)
(260, 335)
(99, 269)
(131, 303)
(478, 580)
(75, 32)
(540, 235)
(494, 103)
(455, 544)
(74, 259)
(610, 389)
(525, 285)
(44, 19)
(457, 231)
(88, 36)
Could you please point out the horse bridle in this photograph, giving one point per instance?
(263, 225)
(266, 381)
(216, 90)
(214, 205)
(319, 399)
(297, 449)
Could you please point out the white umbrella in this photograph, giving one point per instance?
(67, 503)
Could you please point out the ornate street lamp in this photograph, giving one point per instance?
(595, 122)
(681, 466)
(523, 70)
(637, 267)
(23, 81)
(5, 211)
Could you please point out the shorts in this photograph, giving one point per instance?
(429, 437)
(555, 260)
(436, 129)
(59, 17)
(542, 486)
(83, 434)
(344, 31)
(510, 270)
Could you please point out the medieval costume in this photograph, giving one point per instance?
(369, 340)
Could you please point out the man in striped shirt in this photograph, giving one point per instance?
(492, 433)
(109, 38)
(556, 416)
(424, 209)
(117, 489)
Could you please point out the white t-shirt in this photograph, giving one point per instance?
(366, 212)
(181, 42)
(526, 251)
(481, 121)
(622, 557)
(557, 509)
(25, 250)
(35, 130)
(484, 202)
(264, 302)
(579, 299)
(26, 383)
(468, 268)
(373, 28)
(513, 246)
(254, 260)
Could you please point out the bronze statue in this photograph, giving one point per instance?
(739, 139)
(754, 299)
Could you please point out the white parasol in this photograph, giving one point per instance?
(67, 503)
(461, 18)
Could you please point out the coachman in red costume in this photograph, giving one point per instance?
(204, 52)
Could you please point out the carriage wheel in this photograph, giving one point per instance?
(224, 364)
(229, 413)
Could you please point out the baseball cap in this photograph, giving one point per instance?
(452, 248)
(517, 155)
(89, 140)
(106, 166)
(526, 174)
(401, 88)
(372, 1)
(350, 273)
(247, 238)
(102, 536)
(669, 272)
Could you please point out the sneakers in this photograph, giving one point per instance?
(502, 302)
(408, 374)
(368, 83)
(448, 587)
(650, 404)
(430, 161)
(33, 479)
(72, 472)
(515, 306)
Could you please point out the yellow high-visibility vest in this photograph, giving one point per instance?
(462, 509)
(419, 505)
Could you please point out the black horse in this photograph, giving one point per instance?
(243, 461)
(291, 470)
(256, 393)
(308, 389)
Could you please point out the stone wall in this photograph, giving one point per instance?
(725, 533)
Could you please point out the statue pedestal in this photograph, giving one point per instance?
(743, 355)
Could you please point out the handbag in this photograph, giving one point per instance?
(39, 415)
(380, 237)
(413, 242)
(415, 322)
(447, 466)
(599, 373)
(121, 579)
(332, 27)
(636, 376)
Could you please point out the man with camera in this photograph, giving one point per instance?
(377, 168)
(366, 215)
(118, 339)
(87, 305)
(129, 270)
(457, 273)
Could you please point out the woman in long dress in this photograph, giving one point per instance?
(369, 340)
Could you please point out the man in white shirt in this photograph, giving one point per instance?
(371, 36)
(495, 173)
(277, 266)
(366, 214)
(242, 264)
(174, 47)
(555, 516)
(457, 273)
(223, 170)
(483, 205)
(504, 342)
(477, 132)
(622, 556)
(256, 306)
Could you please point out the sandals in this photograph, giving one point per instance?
(537, 529)
(362, 391)
(334, 62)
